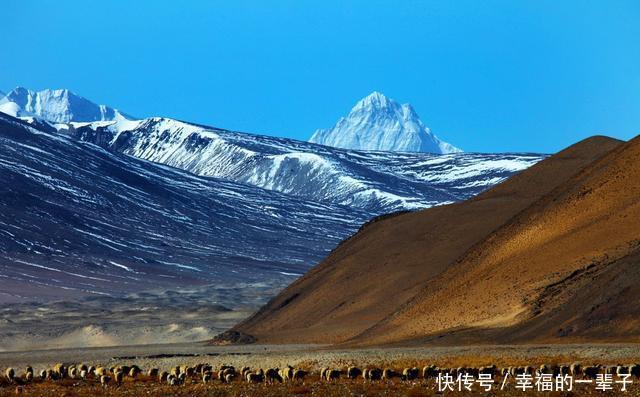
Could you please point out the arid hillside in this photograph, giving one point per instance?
(549, 255)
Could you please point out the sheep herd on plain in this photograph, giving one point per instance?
(207, 374)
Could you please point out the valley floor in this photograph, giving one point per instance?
(309, 357)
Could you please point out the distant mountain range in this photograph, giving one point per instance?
(57, 106)
(379, 123)
(126, 202)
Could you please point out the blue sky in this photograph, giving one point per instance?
(487, 76)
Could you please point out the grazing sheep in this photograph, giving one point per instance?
(332, 374)
(254, 378)
(104, 380)
(163, 376)
(206, 368)
(299, 375)
(153, 372)
(374, 374)
(119, 377)
(287, 373)
(43, 374)
(389, 374)
(611, 369)
(133, 372)
(244, 371)
(429, 371)
(591, 371)
(10, 374)
(490, 370)
(172, 380)
(229, 377)
(182, 378)
(83, 374)
(206, 378)
(353, 372)
(272, 375)
(410, 373)
(323, 372)
(73, 372)
(61, 370)
(28, 377)
(100, 371)
(622, 370)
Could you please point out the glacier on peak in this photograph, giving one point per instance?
(379, 123)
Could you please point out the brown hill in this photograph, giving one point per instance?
(549, 253)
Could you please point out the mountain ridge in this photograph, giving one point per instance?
(373, 288)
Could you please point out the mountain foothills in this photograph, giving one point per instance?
(97, 202)
(76, 219)
(551, 254)
(380, 123)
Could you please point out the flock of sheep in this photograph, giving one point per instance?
(205, 373)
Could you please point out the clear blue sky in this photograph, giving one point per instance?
(487, 76)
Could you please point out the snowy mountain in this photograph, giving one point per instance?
(76, 219)
(378, 182)
(57, 106)
(114, 206)
(380, 123)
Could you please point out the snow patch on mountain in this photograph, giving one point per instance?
(380, 123)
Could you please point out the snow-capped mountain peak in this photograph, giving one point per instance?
(377, 122)
(57, 106)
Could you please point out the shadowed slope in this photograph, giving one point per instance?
(388, 263)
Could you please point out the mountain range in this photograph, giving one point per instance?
(114, 205)
(550, 255)
(380, 123)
